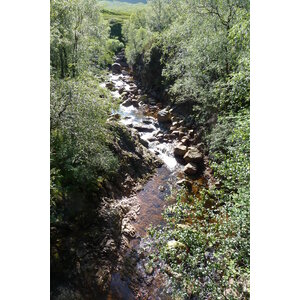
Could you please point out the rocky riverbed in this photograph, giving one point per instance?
(184, 163)
(103, 252)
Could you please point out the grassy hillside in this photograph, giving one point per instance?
(123, 6)
(116, 12)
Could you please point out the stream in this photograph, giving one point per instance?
(151, 196)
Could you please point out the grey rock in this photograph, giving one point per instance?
(190, 169)
(180, 150)
(163, 116)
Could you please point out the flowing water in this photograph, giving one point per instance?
(152, 196)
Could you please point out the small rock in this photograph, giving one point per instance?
(152, 139)
(163, 116)
(184, 182)
(144, 142)
(193, 155)
(121, 89)
(180, 150)
(135, 103)
(190, 169)
(143, 128)
(127, 103)
(116, 68)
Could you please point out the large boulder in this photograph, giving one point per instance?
(163, 116)
(190, 169)
(193, 155)
(116, 68)
(180, 150)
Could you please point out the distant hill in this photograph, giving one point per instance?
(123, 6)
(129, 1)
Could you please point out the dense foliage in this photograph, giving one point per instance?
(213, 224)
(80, 137)
(203, 49)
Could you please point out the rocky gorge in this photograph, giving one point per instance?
(105, 258)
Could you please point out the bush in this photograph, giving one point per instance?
(80, 138)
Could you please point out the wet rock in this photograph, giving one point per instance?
(135, 103)
(116, 68)
(163, 116)
(185, 140)
(127, 102)
(144, 142)
(143, 128)
(148, 121)
(193, 155)
(190, 169)
(160, 136)
(152, 139)
(180, 150)
(121, 89)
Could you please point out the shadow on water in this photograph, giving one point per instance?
(119, 289)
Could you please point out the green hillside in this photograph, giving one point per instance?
(116, 12)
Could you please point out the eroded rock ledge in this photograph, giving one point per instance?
(88, 244)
